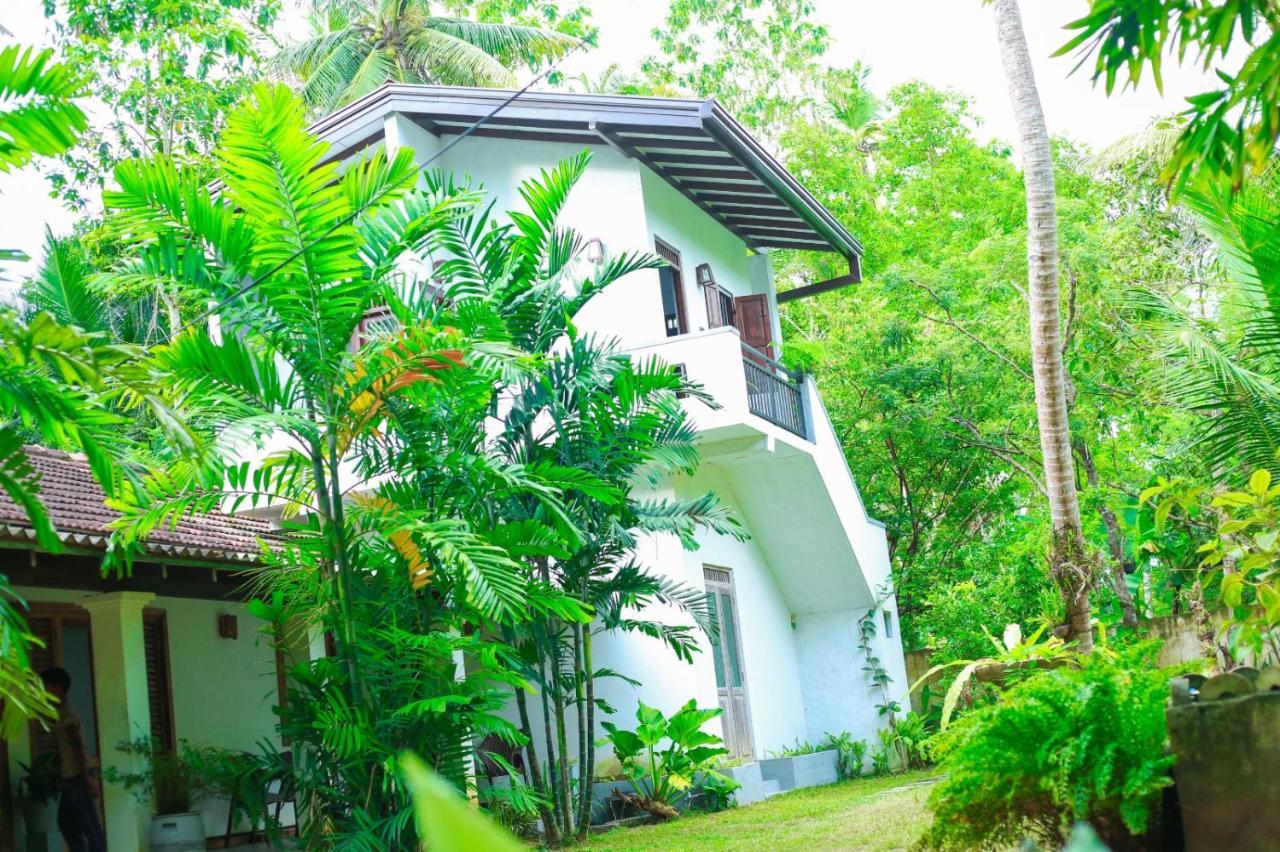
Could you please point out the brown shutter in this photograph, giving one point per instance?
(752, 320)
(44, 629)
(155, 637)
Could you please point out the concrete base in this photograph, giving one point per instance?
(801, 770)
(748, 775)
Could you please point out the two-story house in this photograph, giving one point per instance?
(682, 179)
(173, 652)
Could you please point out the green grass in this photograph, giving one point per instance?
(874, 813)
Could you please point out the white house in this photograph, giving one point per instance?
(683, 179)
(172, 650)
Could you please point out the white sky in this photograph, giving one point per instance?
(947, 43)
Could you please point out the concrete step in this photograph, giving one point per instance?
(771, 788)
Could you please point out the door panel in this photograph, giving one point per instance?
(751, 315)
(726, 657)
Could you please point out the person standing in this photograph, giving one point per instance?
(77, 812)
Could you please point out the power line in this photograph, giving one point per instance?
(349, 218)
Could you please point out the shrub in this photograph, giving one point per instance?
(1064, 746)
(662, 774)
(852, 753)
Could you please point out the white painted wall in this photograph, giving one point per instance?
(223, 689)
(802, 680)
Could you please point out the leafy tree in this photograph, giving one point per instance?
(759, 58)
(355, 47)
(925, 367)
(1233, 130)
(49, 373)
(374, 451)
(166, 73)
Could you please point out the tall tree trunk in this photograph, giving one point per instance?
(532, 766)
(1069, 560)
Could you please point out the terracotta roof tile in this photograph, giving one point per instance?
(75, 503)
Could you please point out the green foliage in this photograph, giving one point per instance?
(445, 820)
(41, 780)
(22, 695)
(907, 736)
(851, 763)
(1237, 552)
(665, 755)
(1220, 360)
(758, 58)
(355, 47)
(1015, 657)
(167, 73)
(1231, 130)
(170, 782)
(38, 114)
(924, 366)
(1072, 744)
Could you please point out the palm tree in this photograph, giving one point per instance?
(44, 367)
(1070, 563)
(1226, 365)
(357, 46)
(588, 408)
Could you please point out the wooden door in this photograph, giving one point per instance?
(751, 316)
(726, 656)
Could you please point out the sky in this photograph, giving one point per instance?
(949, 43)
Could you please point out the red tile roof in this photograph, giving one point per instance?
(75, 503)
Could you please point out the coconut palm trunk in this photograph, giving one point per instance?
(1069, 560)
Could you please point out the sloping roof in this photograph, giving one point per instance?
(74, 501)
(695, 145)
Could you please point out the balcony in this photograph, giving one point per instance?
(774, 392)
(747, 384)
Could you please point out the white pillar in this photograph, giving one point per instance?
(124, 711)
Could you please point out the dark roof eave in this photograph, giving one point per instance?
(353, 123)
(725, 128)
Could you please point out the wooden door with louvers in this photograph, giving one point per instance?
(751, 316)
(726, 657)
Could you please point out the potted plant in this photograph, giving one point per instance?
(38, 790)
(169, 782)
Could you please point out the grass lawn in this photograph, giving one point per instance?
(873, 813)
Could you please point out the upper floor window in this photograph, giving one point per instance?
(378, 321)
(672, 284)
(720, 307)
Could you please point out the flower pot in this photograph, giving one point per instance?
(177, 833)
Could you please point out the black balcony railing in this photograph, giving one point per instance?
(774, 392)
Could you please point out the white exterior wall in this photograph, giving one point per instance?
(815, 561)
(223, 689)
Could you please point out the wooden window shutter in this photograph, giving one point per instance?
(155, 636)
(43, 628)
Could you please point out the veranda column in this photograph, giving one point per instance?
(124, 712)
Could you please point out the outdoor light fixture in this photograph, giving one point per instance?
(228, 627)
(595, 251)
(704, 276)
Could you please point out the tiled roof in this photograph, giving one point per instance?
(75, 503)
